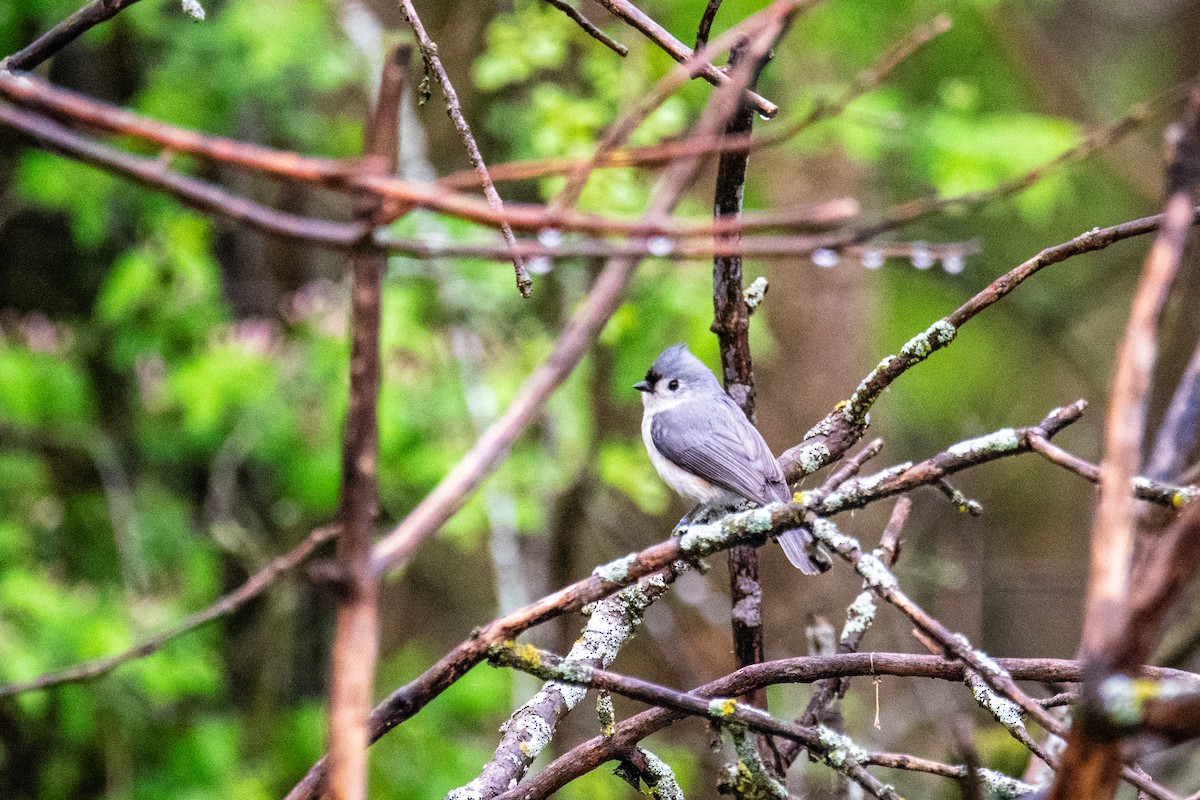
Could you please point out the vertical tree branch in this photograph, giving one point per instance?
(731, 324)
(356, 637)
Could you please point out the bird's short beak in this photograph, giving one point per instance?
(642, 386)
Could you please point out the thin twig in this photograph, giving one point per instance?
(253, 587)
(64, 33)
(623, 127)
(589, 27)
(434, 63)
(677, 50)
(1164, 494)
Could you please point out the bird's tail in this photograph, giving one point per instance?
(805, 554)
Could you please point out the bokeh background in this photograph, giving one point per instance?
(172, 388)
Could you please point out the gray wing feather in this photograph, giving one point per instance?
(722, 447)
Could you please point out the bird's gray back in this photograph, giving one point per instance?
(712, 438)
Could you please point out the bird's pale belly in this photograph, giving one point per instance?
(689, 486)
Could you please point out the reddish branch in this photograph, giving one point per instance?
(226, 605)
(32, 92)
(193, 192)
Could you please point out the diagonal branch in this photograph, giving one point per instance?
(528, 731)
(589, 27)
(434, 63)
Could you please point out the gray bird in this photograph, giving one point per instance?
(707, 451)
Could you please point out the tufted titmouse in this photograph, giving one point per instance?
(707, 451)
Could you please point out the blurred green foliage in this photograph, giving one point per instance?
(157, 444)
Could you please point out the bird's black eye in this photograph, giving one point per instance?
(673, 385)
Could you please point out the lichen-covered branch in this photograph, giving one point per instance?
(716, 697)
(528, 731)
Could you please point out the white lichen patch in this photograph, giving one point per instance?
(666, 786)
(841, 752)
(1002, 441)
(813, 456)
(990, 665)
(875, 573)
(1005, 711)
(828, 534)
(536, 735)
(755, 293)
(998, 786)
(859, 617)
(616, 571)
(854, 492)
(703, 540)
(700, 540)
(1121, 700)
(193, 9)
(606, 714)
(822, 428)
